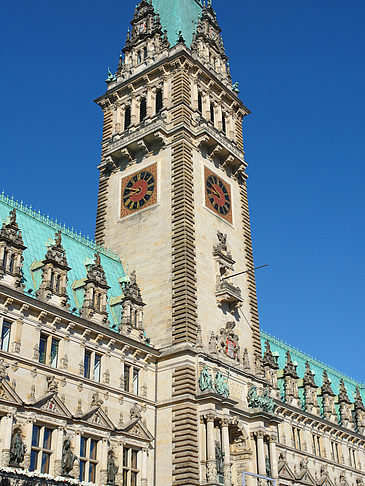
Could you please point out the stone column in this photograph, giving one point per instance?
(230, 126)
(144, 479)
(273, 457)
(150, 99)
(261, 453)
(58, 438)
(28, 440)
(6, 432)
(134, 111)
(227, 452)
(104, 460)
(119, 463)
(16, 336)
(211, 464)
(218, 116)
(76, 450)
(203, 449)
(206, 105)
(195, 93)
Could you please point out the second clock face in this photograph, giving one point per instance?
(139, 190)
(218, 195)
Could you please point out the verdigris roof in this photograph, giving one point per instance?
(279, 349)
(178, 15)
(38, 231)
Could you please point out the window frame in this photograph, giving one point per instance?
(130, 384)
(87, 461)
(51, 342)
(39, 451)
(127, 466)
(8, 324)
(94, 357)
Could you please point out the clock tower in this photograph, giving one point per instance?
(173, 203)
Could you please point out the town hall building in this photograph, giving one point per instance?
(137, 359)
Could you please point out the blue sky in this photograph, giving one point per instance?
(301, 70)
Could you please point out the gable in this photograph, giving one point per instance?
(8, 394)
(138, 430)
(51, 403)
(98, 418)
(307, 478)
(285, 472)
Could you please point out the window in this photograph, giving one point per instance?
(92, 363)
(48, 344)
(43, 348)
(212, 113)
(316, 445)
(159, 102)
(200, 103)
(5, 258)
(87, 364)
(335, 453)
(224, 127)
(11, 263)
(88, 459)
(40, 456)
(54, 352)
(142, 109)
(127, 117)
(145, 53)
(131, 379)
(139, 57)
(130, 466)
(352, 457)
(296, 438)
(5, 336)
(97, 366)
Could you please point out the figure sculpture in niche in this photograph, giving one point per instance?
(17, 449)
(68, 457)
(112, 469)
(219, 458)
(221, 384)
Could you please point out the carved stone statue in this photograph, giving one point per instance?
(96, 400)
(52, 385)
(112, 469)
(219, 458)
(68, 457)
(135, 412)
(3, 369)
(221, 384)
(17, 449)
(205, 380)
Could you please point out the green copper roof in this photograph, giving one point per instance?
(178, 15)
(37, 231)
(280, 348)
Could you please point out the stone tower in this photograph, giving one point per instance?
(173, 203)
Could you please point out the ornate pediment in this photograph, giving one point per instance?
(8, 394)
(138, 430)
(51, 403)
(98, 418)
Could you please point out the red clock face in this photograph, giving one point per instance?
(139, 190)
(218, 195)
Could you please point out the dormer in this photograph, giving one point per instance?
(11, 253)
(144, 42)
(96, 289)
(53, 287)
(208, 45)
(133, 304)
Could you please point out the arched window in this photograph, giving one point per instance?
(159, 102)
(200, 103)
(127, 117)
(5, 259)
(58, 282)
(51, 282)
(142, 109)
(212, 113)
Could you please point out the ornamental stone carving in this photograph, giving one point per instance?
(226, 293)
(132, 304)
(11, 253)
(96, 289)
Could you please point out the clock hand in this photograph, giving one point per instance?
(215, 192)
(135, 191)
